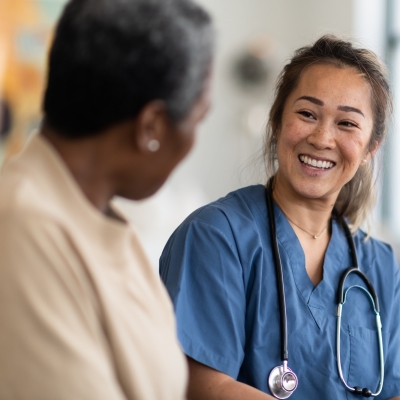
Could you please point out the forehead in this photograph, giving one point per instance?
(334, 86)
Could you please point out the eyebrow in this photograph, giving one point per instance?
(321, 103)
(312, 99)
(350, 109)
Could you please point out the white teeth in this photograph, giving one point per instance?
(314, 163)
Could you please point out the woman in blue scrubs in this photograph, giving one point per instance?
(328, 120)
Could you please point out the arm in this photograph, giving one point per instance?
(206, 383)
(203, 272)
(203, 275)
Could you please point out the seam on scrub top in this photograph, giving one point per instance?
(291, 268)
(297, 287)
(291, 261)
(266, 216)
(224, 213)
(267, 219)
(350, 356)
(233, 248)
(186, 224)
(215, 228)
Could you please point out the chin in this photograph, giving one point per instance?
(313, 192)
(140, 193)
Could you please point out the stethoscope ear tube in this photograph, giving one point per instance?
(358, 390)
(357, 271)
(341, 299)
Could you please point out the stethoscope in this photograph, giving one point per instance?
(282, 381)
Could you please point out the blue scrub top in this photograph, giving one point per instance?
(218, 268)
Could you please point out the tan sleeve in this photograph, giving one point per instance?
(51, 342)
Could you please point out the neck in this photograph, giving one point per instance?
(310, 216)
(87, 162)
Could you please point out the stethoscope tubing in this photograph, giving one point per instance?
(341, 298)
(380, 344)
(279, 275)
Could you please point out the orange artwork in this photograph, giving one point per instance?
(25, 33)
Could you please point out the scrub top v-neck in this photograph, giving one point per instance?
(218, 268)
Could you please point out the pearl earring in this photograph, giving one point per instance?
(364, 161)
(153, 145)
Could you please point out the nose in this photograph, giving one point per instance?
(322, 137)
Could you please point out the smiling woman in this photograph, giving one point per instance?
(254, 280)
(356, 198)
(328, 118)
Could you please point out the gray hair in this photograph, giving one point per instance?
(110, 58)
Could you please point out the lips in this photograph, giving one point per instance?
(318, 164)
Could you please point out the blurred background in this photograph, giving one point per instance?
(255, 39)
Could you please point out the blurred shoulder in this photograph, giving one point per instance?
(23, 203)
(372, 251)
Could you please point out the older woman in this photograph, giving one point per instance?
(255, 276)
(83, 315)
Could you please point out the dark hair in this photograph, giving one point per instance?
(356, 198)
(110, 58)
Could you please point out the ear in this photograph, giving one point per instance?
(151, 127)
(373, 148)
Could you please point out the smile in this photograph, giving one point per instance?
(316, 163)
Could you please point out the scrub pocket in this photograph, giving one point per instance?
(364, 367)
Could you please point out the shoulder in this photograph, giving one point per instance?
(22, 197)
(232, 227)
(376, 258)
(232, 211)
(373, 251)
(30, 219)
(25, 214)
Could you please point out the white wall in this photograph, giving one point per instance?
(369, 24)
(224, 146)
(223, 158)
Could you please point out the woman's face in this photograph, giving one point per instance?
(325, 132)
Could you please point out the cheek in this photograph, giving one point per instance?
(353, 151)
(290, 136)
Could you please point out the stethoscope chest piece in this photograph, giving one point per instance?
(282, 382)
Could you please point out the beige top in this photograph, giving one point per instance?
(82, 314)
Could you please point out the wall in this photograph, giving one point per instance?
(225, 156)
(224, 148)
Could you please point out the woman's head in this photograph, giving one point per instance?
(111, 58)
(128, 82)
(356, 196)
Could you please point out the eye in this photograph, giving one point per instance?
(348, 124)
(306, 114)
